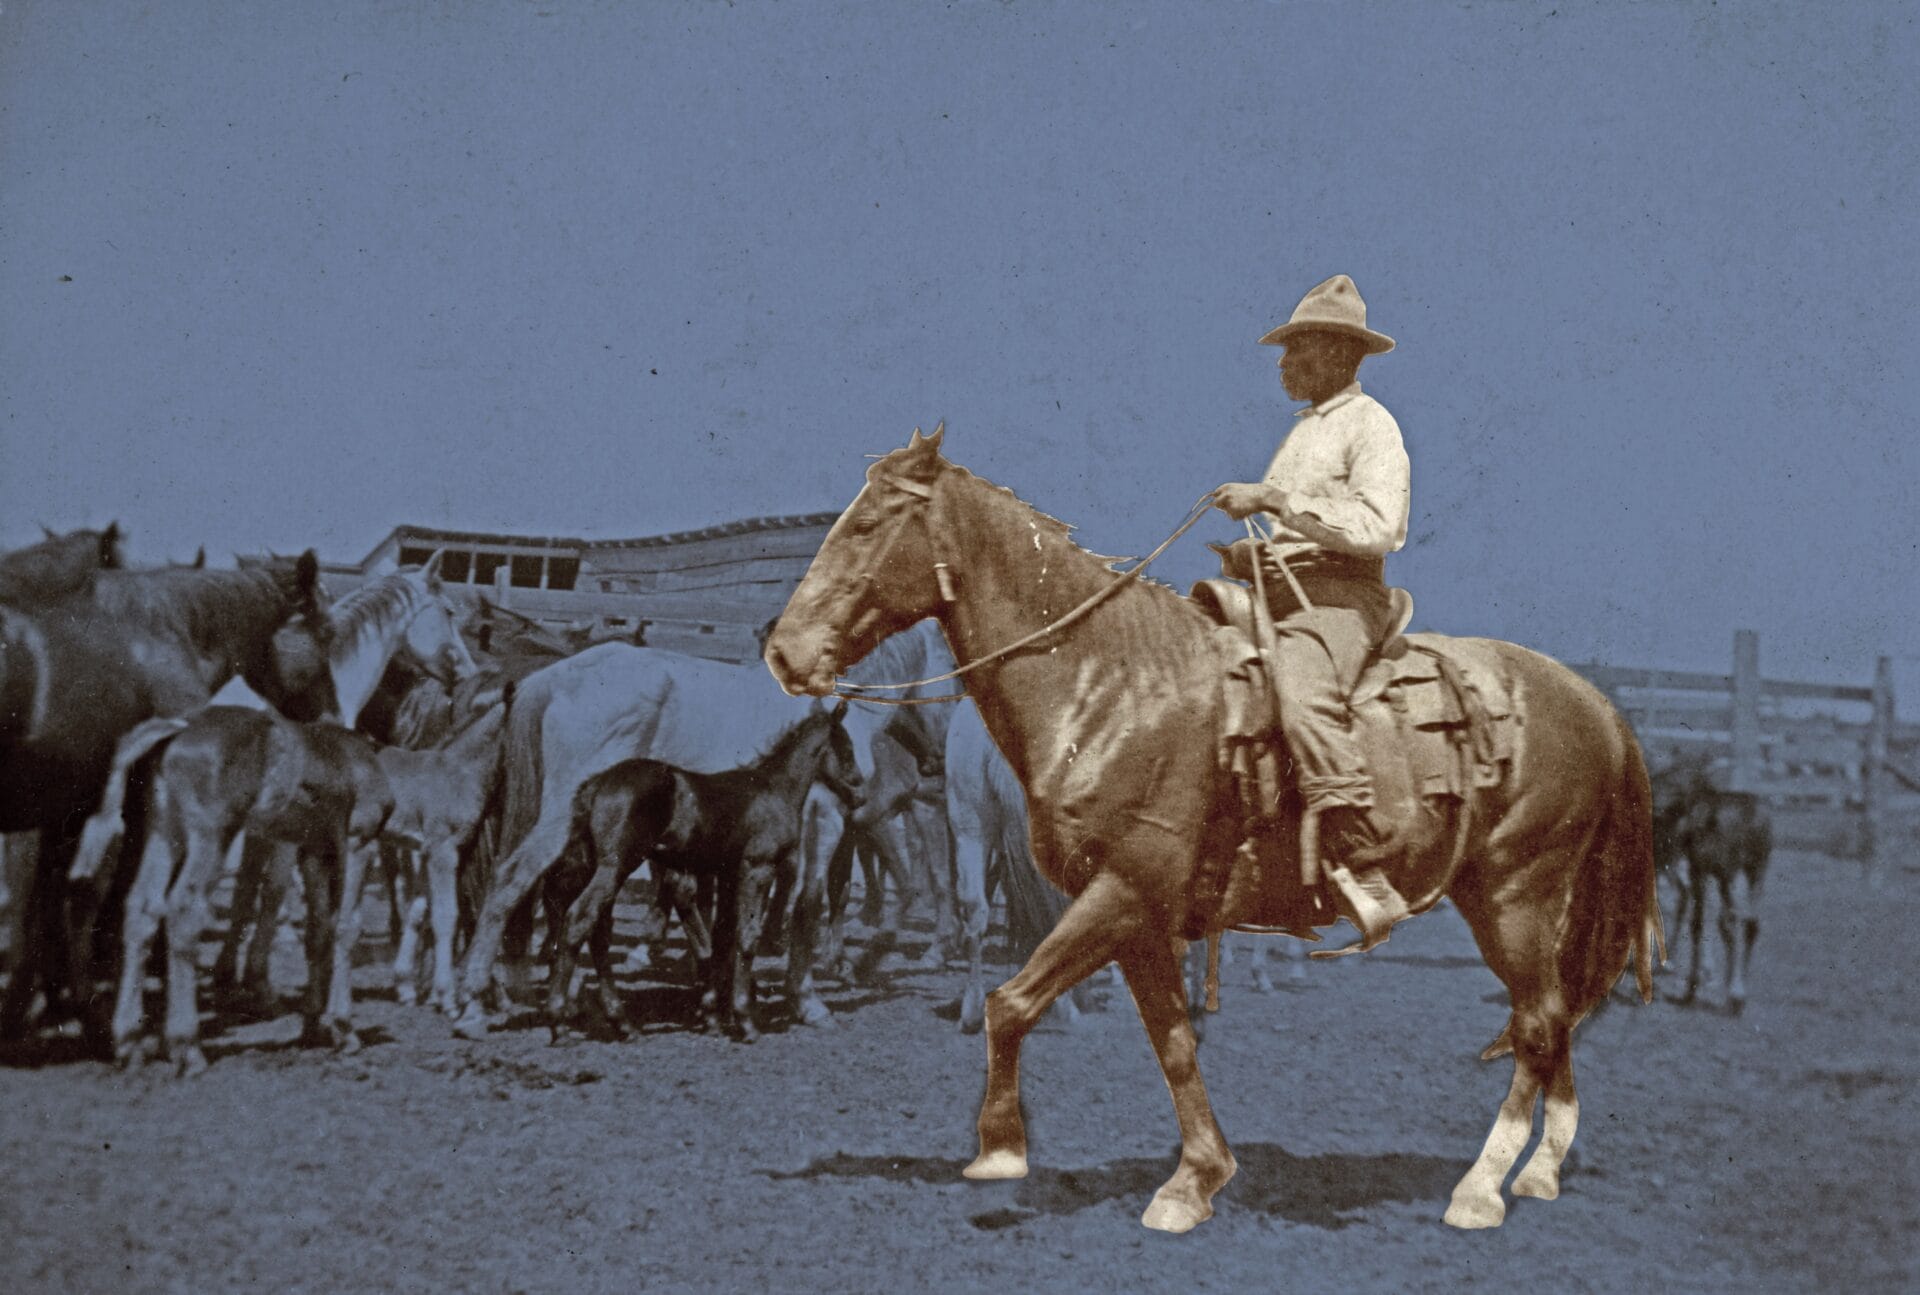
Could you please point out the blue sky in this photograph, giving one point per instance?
(289, 275)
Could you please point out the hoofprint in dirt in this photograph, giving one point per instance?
(1773, 1151)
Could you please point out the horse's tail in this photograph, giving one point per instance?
(101, 835)
(1614, 921)
(522, 774)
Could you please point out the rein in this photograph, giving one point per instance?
(1099, 596)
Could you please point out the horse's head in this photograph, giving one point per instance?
(60, 566)
(293, 673)
(875, 573)
(839, 766)
(432, 640)
(908, 726)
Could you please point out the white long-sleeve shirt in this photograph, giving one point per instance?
(1346, 467)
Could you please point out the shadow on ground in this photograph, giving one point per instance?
(1331, 1190)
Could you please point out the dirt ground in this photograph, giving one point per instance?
(1770, 1151)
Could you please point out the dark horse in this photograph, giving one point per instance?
(78, 672)
(59, 565)
(1112, 728)
(740, 828)
(1703, 837)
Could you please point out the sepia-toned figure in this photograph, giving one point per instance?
(1336, 495)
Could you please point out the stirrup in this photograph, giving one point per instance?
(1373, 906)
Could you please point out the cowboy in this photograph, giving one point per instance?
(1336, 496)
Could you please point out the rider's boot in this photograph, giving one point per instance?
(1351, 853)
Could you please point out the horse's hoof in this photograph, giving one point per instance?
(405, 994)
(189, 1061)
(1540, 1184)
(345, 1041)
(973, 1012)
(1262, 983)
(1173, 1214)
(1469, 1210)
(1736, 1004)
(992, 1165)
(130, 1054)
(812, 1011)
(471, 1023)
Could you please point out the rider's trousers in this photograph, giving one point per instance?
(1320, 653)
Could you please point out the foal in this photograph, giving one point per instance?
(439, 796)
(741, 828)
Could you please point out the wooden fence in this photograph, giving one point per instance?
(1841, 774)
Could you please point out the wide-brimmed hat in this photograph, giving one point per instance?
(1332, 307)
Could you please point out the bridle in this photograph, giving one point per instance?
(943, 577)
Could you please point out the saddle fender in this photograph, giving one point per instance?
(1433, 720)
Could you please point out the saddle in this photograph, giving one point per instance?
(1435, 723)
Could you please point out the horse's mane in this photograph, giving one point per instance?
(1005, 500)
(197, 605)
(781, 748)
(370, 612)
(1049, 525)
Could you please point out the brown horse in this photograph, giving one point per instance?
(1112, 727)
(54, 568)
(1706, 837)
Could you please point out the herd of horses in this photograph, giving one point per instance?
(161, 723)
(156, 724)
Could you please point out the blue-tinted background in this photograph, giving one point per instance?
(620, 269)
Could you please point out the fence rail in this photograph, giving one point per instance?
(1841, 773)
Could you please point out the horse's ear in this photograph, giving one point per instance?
(48, 530)
(939, 434)
(431, 571)
(200, 558)
(306, 575)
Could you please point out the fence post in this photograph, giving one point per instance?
(1873, 772)
(1745, 775)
